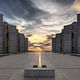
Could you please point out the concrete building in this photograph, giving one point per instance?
(21, 46)
(13, 39)
(1, 34)
(5, 37)
(74, 37)
(78, 35)
(10, 40)
(70, 39)
(66, 39)
(58, 43)
(26, 44)
(53, 45)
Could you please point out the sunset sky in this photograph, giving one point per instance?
(39, 20)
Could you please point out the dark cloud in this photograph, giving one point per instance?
(25, 9)
(49, 37)
(64, 2)
(21, 11)
(29, 35)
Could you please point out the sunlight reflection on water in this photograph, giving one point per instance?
(40, 60)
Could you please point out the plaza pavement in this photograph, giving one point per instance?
(66, 67)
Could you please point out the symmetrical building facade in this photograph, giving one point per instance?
(11, 41)
(68, 41)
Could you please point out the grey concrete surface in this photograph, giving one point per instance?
(66, 67)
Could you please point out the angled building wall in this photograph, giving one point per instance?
(53, 45)
(78, 36)
(26, 44)
(13, 39)
(74, 37)
(66, 39)
(5, 38)
(58, 43)
(1, 34)
(21, 43)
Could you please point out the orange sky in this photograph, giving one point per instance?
(40, 43)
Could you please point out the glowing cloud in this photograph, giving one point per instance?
(20, 28)
(37, 38)
(40, 42)
(76, 5)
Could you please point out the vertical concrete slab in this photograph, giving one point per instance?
(13, 39)
(1, 18)
(1, 34)
(58, 43)
(26, 44)
(5, 37)
(78, 37)
(74, 37)
(66, 39)
(53, 44)
(21, 43)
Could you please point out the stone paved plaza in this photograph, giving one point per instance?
(66, 67)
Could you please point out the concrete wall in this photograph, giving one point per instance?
(21, 43)
(1, 33)
(78, 36)
(5, 37)
(13, 39)
(74, 37)
(1, 18)
(53, 45)
(26, 44)
(9, 39)
(66, 39)
(58, 42)
(70, 38)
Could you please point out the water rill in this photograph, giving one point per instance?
(39, 71)
(39, 61)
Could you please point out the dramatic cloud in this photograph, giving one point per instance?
(76, 5)
(40, 43)
(36, 16)
(40, 17)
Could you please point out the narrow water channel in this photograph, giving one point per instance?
(39, 60)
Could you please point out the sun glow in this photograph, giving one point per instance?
(20, 28)
(37, 38)
(39, 43)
